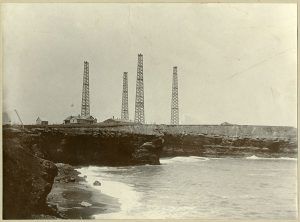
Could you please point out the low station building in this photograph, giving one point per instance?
(41, 121)
(80, 120)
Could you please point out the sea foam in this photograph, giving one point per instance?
(182, 159)
(126, 195)
(253, 157)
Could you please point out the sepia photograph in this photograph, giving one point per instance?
(149, 111)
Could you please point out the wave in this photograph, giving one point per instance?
(253, 157)
(126, 195)
(287, 158)
(182, 159)
(191, 159)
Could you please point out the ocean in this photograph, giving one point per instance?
(202, 188)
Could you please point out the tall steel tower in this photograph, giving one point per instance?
(85, 104)
(139, 98)
(174, 104)
(124, 111)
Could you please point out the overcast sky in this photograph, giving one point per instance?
(236, 62)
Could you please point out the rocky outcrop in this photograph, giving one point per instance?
(221, 146)
(27, 180)
(66, 174)
(148, 153)
(90, 146)
(97, 183)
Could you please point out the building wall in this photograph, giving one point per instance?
(41, 122)
(80, 121)
(73, 120)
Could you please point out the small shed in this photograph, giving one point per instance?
(41, 121)
(68, 119)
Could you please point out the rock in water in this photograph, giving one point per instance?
(148, 153)
(97, 183)
(85, 204)
(66, 173)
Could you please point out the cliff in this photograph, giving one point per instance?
(134, 144)
(220, 146)
(219, 140)
(27, 180)
(78, 146)
(182, 140)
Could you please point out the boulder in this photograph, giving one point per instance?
(97, 183)
(85, 204)
(148, 152)
(66, 173)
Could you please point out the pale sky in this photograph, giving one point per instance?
(236, 62)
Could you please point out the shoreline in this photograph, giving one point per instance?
(128, 198)
(73, 198)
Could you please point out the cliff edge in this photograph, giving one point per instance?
(27, 180)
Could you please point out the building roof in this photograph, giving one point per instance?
(41, 118)
(110, 120)
(227, 124)
(87, 117)
(80, 117)
(68, 118)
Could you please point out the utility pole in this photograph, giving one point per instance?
(124, 110)
(174, 103)
(139, 116)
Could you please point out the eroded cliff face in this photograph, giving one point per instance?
(27, 180)
(90, 147)
(222, 146)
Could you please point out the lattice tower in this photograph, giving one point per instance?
(139, 98)
(174, 103)
(85, 104)
(124, 111)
